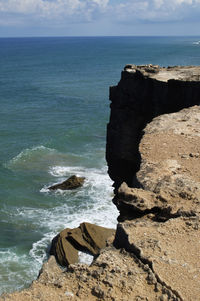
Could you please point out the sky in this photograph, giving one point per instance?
(20, 18)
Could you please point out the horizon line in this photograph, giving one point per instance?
(94, 36)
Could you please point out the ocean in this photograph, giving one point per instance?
(54, 109)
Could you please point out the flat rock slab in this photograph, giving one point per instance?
(170, 248)
(87, 238)
(182, 73)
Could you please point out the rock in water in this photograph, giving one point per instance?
(87, 237)
(71, 183)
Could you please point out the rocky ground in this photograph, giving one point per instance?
(154, 255)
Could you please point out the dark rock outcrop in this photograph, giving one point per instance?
(143, 93)
(72, 182)
(87, 238)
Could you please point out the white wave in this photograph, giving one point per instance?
(17, 270)
(96, 207)
(39, 249)
(45, 189)
(196, 43)
(62, 171)
(7, 255)
(85, 258)
(91, 203)
(36, 158)
(28, 151)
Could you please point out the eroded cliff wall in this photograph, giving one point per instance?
(143, 93)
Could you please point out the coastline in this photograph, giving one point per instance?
(158, 226)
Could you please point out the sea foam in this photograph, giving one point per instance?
(95, 203)
(90, 203)
(196, 43)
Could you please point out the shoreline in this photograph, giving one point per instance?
(157, 197)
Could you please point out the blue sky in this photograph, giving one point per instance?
(99, 17)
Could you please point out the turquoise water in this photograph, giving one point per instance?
(54, 109)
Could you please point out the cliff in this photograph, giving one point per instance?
(143, 93)
(153, 151)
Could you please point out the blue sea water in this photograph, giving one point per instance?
(54, 108)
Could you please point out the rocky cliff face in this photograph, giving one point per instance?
(143, 93)
(155, 165)
(160, 222)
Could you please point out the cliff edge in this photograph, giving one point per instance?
(143, 93)
(153, 153)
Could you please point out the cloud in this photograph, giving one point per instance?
(155, 10)
(74, 10)
(63, 12)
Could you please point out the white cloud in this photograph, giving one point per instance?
(100, 3)
(53, 8)
(156, 10)
(39, 6)
(75, 11)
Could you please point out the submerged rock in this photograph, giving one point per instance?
(87, 237)
(71, 183)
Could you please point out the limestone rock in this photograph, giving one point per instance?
(134, 202)
(87, 237)
(171, 249)
(170, 162)
(174, 178)
(115, 275)
(63, 250)
(170, 181)
(71, 183)
(161, 218)
(155, 164)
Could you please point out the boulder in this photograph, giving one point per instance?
(71, 183)
(87, 237)
(63, 250)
